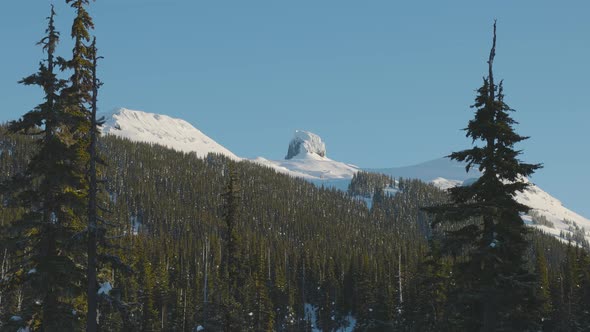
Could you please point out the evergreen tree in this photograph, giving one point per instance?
(571, 294)
(584, 289)
(91, 268)
(149, 314)
(45, 236)
(542, 289)
(77, 97)
(232, 310)
(429, 307)
(327, 316)
(366, 298)
(497, 290)
(261, 312)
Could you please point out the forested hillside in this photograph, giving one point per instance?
(299, 252)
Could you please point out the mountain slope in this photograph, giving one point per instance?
(307, 158)
(160, 129)
(446, 173)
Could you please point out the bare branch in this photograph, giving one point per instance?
(491, 64)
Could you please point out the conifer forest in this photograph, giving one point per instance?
(104, 233)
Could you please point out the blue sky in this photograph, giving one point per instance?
(385, 83)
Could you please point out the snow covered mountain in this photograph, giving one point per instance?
(307, 158)
(160, 129)
(306, 155)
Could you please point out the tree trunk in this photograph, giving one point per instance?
(489, 305)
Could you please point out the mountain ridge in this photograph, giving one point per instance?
(176, 134)
(306, 158)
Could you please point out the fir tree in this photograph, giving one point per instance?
(433, 288)
(542, 289)
(571, 293)
(147, 282)
(366, 299)
(91, 322)
(497, 290)
(232, 310)
(76, 98)
(45, 235)
(584, 289)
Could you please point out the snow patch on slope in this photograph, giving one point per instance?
(316, 169)
(445, 184)
(564, 220)
(444, 168)
(163, 130)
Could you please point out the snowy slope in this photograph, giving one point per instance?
(308, 150)
(163, 130)
(445, 173)
(306, 158)
(563, 219)
(443, 168)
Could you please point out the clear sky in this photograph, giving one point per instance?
(385, 83)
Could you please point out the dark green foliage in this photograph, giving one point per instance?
(43, 239)
(95, 233)
(434, 281)
(232, 296)
(53, 203)
(364, 183)
(284, 224)
(542, 288)
(320, 245)
(497, 289)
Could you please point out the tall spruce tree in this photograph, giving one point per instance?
(498, 291)
(76, 104)
(100, 250)
(231, 307)
(93, 228)
(45, 236)
(542, 287)
(77, 97)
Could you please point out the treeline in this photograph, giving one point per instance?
(297, 243)
(365, 184)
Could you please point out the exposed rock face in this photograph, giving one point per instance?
(305, 143)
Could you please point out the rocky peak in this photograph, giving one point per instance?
(305, 144)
